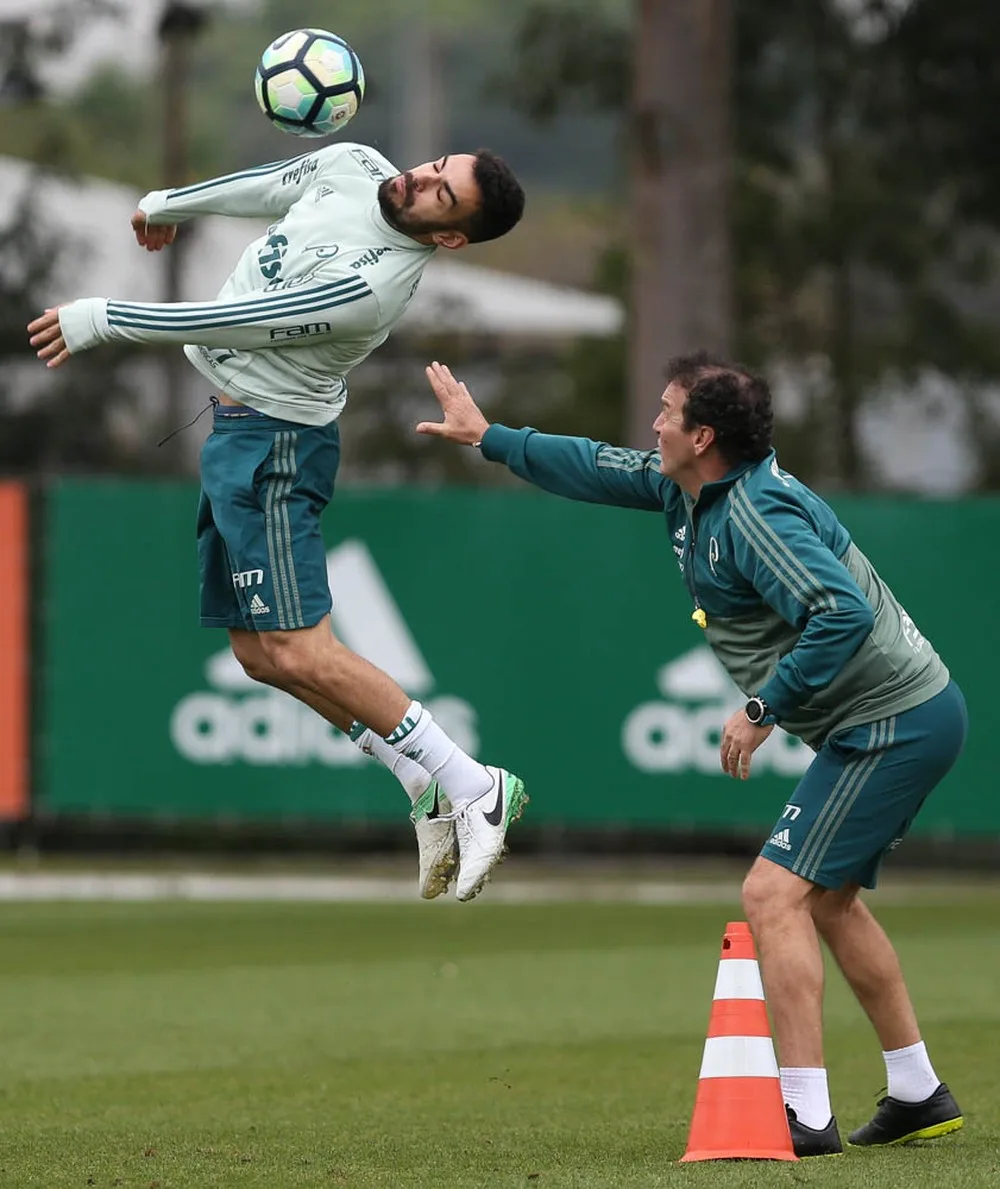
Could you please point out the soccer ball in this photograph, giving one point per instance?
(309, 82)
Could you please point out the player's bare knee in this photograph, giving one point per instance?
(755, 897)
(291, 656)
(248, 651)
(771, 891)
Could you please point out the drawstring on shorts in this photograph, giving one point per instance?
(213, 402)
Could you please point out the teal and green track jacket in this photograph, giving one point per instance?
(794, 611)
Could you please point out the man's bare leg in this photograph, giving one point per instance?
(329, 675)
(778, 909)
(868, 961)
(250, 653)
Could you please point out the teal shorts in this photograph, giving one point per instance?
(860, 795)
(264, 486)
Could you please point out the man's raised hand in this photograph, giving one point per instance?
(463, 420)
(151, 236)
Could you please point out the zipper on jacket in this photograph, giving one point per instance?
(698, 614)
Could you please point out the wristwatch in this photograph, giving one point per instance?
(758, 713)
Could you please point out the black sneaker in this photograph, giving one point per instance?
(807, 1141)
(898, 1122)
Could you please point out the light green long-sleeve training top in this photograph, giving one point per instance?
(307, 301)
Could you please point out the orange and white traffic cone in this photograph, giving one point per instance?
(739, 1112)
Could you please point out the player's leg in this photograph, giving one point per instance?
(268, 482)
(437, 846)
(238, 592)
(486, 800)
(777, 905)
(866, 956)
(919, 746)
(249, 652)
(794, 864)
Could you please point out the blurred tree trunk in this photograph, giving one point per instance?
(680, 164)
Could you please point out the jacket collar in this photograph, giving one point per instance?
(396, 238)
(711, 491)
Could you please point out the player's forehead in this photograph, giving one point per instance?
(453, 164)
(457, 169)
(674, 396)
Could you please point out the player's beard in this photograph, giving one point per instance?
(396, 213)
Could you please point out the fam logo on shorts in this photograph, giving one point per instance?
(237, 718)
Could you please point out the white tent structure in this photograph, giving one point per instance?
(102, 259)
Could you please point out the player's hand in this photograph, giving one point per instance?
(463, 419)
(740, 739)
(47, 337)
(152, 236)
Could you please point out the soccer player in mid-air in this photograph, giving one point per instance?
(309, 300)
(818, 643)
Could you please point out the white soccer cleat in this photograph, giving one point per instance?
(480, 828)
(437, 847)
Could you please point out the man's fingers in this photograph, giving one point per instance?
(43, 321)
(435, 428)
(440, 375)
(154, 238)
(734, 763)
(44, 336)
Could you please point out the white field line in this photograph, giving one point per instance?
(317, 888)
(101, 885)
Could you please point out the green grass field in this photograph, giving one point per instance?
(197, 1045)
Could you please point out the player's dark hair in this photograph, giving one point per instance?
(730, 399)
(501, 199)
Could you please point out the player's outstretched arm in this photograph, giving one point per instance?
(328, 309)
(573, 467)
(262, 192)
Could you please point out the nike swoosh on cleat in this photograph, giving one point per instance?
(495, 816)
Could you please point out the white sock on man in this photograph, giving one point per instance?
(410, 775)
(420, 739)
(806, 1091)
(909, 1072)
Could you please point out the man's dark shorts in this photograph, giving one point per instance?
(860, 795)
(265, 484)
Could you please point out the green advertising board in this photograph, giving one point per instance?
(552, 637)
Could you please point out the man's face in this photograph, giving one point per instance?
(431, 198)
(677, 446)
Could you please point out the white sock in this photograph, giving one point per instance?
(420, 738)
(410, 775)
(807, 1093)
(909, 1072)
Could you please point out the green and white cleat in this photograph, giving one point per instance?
(480, 828)
(437, 846)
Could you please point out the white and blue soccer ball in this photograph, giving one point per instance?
(309, 82)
